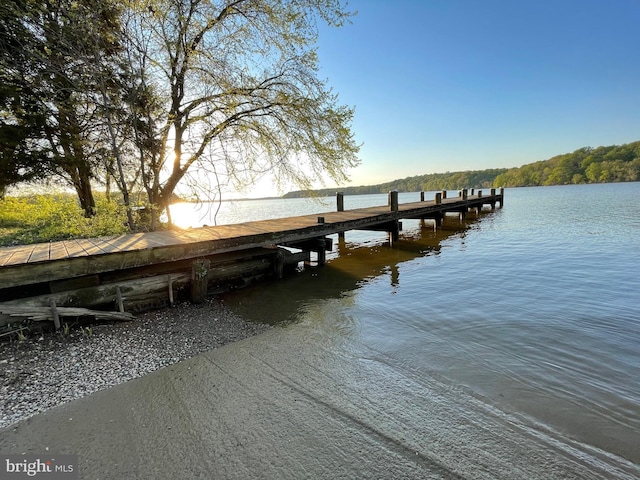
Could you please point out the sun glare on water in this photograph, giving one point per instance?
(192, 215)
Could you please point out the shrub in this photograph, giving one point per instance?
(43, 218)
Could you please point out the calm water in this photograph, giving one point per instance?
(535, 307)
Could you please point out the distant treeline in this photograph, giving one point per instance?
(616, 163)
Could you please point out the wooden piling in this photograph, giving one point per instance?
(322, 252)
(55, 315)
(199, 279)
(438, 199)
(444, 194)
(437, 221)
(393, 200)
(119, 300)
(393, 229)
(278, 263)
(340, 201)
(170, 285)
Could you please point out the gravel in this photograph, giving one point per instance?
(43, 371)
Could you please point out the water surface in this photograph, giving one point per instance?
(533, 307)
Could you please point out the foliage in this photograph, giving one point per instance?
(615, 163)
(585, 165)
(22, 119)
(49, 121)
(43, 218)
(155, 94)
(228, 91)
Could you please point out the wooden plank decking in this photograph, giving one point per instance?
(29, 264)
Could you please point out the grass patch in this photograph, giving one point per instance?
(44, 218)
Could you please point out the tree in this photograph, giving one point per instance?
(75, 33)
(23, 156)
(242, 93)
(53, 47)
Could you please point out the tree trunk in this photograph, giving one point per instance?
(82, 184)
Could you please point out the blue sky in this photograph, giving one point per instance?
(449, 85)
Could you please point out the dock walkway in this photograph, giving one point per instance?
(61, 261)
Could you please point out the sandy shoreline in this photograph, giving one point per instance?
(44, 371)
(287, 404)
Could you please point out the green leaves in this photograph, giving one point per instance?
(242, 80)
(615, 163)
(43, 218)
(169, 88)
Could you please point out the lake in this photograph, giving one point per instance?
(533, 307)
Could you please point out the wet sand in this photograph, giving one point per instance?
(287, 404)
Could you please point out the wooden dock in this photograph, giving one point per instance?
(47, 270)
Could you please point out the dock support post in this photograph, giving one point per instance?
(438, 199)
(55, 315)
(340, 201)
(464, 193)
(501, 197)
(492, 192)
(479, 207)
(278, 264)
(444, 194)
(199, 277)
(341, 242)
(437, 221)
(394, 231)
(422, 196)
(322, 252)
(119, 299)
(393, 200)
(170, 284)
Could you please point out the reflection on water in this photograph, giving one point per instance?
(357, 258)
(533, 306)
